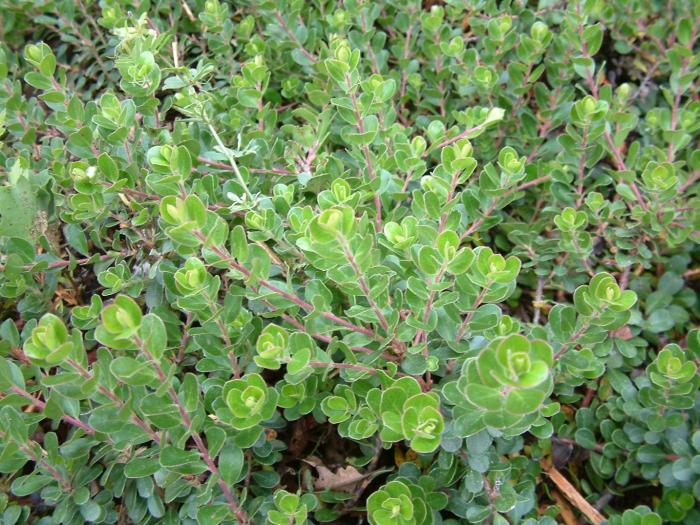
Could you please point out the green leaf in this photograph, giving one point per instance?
(108, 167)
(141, 467)
(19, 210)
(213, 514)
(77, 239)
(132, 372)
(239, 244)
(660, 321)
(299, 361)
(153, 335)
(10, 374)
(593, 37)
(29, 484)
(336, 69)
(231, 463)
(428, 260)
(181, 461)
(38, 81)
(181, 162)
(91, 511)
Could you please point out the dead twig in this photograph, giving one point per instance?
(573, 495)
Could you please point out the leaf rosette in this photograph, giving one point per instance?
(509, 380)
(249, 400)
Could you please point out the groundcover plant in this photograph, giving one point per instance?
(395, 262)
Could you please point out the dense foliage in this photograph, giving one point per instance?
(393, 262)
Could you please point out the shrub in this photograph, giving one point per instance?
(399, 262)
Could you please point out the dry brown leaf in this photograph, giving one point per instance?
(573, 495)
(623, 333)
(344, 478)
(410, 456)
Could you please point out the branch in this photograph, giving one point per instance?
(38, 403)
(617, 154)
(349, 366)
(363, 285)
(365, 150)
(26, 448)
(79, 262)
(573, 495)
(227, 167)
(115, 399)
(291, 297)
(620, 163)
(294, 38)
(201, 447)
(447, 142)
(477, 224)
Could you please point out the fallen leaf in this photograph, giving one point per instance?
(344, 478)
(623, 333)
(410, 456)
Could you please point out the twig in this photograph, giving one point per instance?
(60, 264)
(477, 224)
(472, 311)
(616, 151)
(582, 168)
(565, 510)
(620, 163)
(368, 473)
(113, 397)
(447, 142)
(692, 178)
(348, 366)
(289, 296)
(231, 159)
(692, 274)
(365, 150)
(324, 338)
(224, 166)
(575, 337)
(677, 97)
(38, 403)
(573, 495)
(26, 448)
(294, 38)
(363, 285)
(188, 11)
(537, 303)
(426, 317)
(568, 441)
(406, 54)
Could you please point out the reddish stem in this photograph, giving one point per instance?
(38, 403)
(365, 150)
(291, 297)
(113, 397)
(476, 224)
(294, 38)
(201, 447)
(227, 167)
